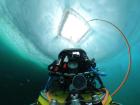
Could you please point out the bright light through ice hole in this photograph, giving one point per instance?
(74, 28)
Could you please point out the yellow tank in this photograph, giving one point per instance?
(45, 98)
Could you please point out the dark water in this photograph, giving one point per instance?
(20, 79)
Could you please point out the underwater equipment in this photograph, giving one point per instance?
(78, 83)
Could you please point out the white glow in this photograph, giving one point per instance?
(74, 28)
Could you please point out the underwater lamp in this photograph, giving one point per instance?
(73, 26)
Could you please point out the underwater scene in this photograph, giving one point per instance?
(69, 52)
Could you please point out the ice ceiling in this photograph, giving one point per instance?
(33, 26)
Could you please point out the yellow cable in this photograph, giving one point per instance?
(129, 55)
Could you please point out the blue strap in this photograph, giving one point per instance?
(97, 72)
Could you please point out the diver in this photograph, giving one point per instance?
(75, 73)
(74, 79)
